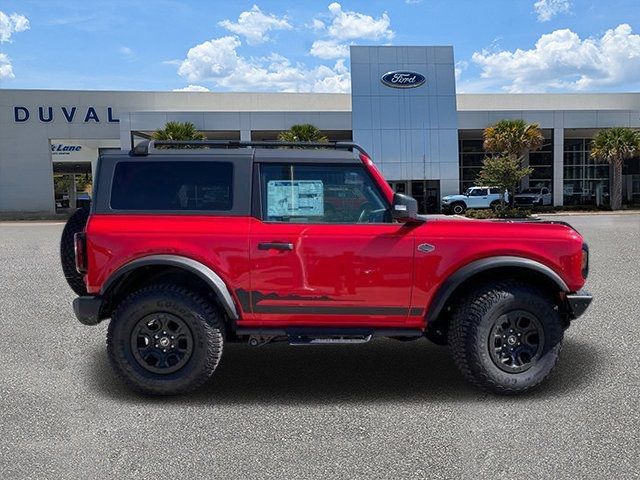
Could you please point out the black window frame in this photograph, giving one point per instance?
(259, 195)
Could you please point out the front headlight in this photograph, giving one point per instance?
(585, 260)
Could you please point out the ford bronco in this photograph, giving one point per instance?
(474, 197)
(191, 245)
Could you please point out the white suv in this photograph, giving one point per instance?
(474, 197)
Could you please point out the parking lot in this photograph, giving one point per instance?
(386, 409)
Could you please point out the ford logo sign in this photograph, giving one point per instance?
(402, 79)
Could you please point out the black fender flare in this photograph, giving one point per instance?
(210, 277)
(464, 273)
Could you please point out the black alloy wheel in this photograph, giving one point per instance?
(161, 343)
(516, 341)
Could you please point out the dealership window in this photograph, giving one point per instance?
(320, 194)
(472, 155)
(172, 186)
(635, 189)
(542, 163)
(586, 181)
(631, 181)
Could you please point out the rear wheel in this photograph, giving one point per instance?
(496, 206)
(506, 337)
(458, 208)
(75, 224)
(165, 340)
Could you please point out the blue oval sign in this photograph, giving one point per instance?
(403, 79)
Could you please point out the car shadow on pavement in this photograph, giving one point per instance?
(383, 370)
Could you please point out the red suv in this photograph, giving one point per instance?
(189, 246)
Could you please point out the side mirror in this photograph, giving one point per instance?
(404, 208)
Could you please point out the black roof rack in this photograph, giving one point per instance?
(143, 148)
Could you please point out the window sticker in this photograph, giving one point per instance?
(295, 198)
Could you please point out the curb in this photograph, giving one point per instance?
(569, 213)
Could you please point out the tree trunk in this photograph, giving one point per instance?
(616, 185)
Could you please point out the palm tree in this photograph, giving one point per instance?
(302, 133)
(179, 131)
(615, 145)
(513, 139)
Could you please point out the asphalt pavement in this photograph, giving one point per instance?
(386, 409)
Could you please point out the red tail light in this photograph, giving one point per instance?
(80, 249)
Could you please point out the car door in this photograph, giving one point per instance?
(325, 251)
(478, 198)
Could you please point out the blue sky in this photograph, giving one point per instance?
(500, 46)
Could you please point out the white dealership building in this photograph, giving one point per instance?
(403, 109)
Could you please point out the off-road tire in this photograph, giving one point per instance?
(496, 206)
(471, 326)
(458, 208)
(203, 319)
(75, 224)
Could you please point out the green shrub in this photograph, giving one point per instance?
(506, 213)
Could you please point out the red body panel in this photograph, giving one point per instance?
(221, 243)
(335, 274)
(364, 271)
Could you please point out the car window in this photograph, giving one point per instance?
(172, 186)
(494, 191)
(478, 192)
(545, 191)
(320, 194)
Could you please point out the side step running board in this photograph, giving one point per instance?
(327, 340)
(321, 335)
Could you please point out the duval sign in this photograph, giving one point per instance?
(403, 79)
(69, 114)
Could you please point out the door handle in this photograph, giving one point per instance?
(275, 246)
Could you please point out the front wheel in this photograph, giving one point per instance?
(506, 337)
(165, 340)
(458, 208)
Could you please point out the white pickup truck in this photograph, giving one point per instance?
(537, 196)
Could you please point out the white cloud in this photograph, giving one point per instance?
(217, 61)
(192, 88)
(329, 49)
(6, 69)
(210, 59)
(562, 61)
(347, 26)
(10, 24)
(353, 25)
(547, 9)
(127, 52)
(460, 67)
(412, 2)
(316, 25)
(254, 25)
